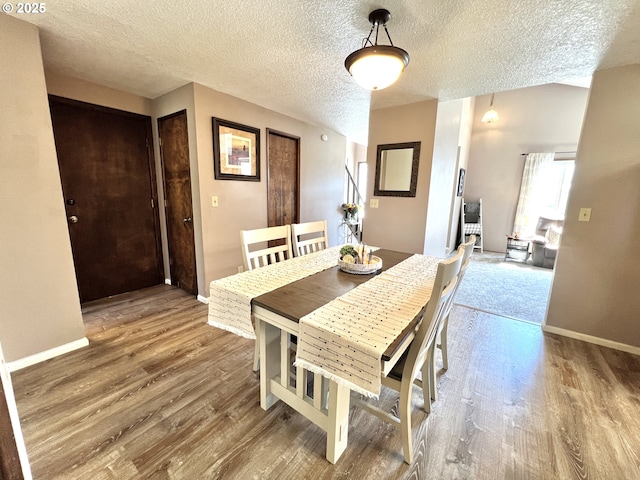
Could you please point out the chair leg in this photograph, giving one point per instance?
(405, 422)
(426, 394)
(430, 365)
(443, 344)
(256, 352)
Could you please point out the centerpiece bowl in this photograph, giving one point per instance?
(372, 266)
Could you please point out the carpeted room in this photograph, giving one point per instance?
(506, 288)
(546, 118)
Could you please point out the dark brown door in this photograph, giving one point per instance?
(283, 168)
(174, 150)
(108, 181)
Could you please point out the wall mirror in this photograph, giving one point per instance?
(397, 169)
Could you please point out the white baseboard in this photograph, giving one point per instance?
(167, 281)
(204, 300)
(47, 354)
(603, 342)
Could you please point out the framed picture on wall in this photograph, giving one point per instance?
(461, 175)
(236, 151)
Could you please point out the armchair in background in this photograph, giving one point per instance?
(544, 245)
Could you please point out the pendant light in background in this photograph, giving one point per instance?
(374, 66)
(491, 115)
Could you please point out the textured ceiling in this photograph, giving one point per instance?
(288, 55)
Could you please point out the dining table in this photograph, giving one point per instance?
(324, 333)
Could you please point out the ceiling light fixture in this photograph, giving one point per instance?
(491, 115)
(374, 66)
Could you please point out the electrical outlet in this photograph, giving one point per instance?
(585, 215)
(214, 201)
(373, 203)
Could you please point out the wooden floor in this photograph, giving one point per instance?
(159, 394)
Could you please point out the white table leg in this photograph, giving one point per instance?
(269, 337)
(338, 421)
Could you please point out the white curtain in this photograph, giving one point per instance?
(532, 191)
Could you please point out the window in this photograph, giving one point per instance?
(544, 191)
(557, 185)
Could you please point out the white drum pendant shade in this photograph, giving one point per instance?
(375, 68)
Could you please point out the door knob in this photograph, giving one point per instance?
(73, 219)
(187, 220)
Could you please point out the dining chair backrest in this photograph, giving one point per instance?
(259, 249)
(443, 289)
(466, 249)
(466, 257)
(309, 237)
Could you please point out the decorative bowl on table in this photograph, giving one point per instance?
(372, 266)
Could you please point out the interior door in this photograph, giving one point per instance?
(283, 173)
(108, 181)
(174, 150)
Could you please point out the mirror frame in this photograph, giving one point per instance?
(414, 170)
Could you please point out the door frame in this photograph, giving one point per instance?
(270, 131)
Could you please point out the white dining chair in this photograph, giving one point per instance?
(309, 237)
(443, 325)
(261, 247)
(468, 248)
(404, 374)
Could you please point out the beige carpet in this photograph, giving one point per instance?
(506, 288)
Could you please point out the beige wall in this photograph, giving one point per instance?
(466, 126)
(451, 135)
(243, 205)
(39, 306)
(597, 274)
(547, 118)
(399, 222)
(81, 90)
(360, 153)
(352, 149)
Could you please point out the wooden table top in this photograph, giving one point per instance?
(297, 299)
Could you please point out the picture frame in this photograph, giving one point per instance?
(236, 151)
(461, 176)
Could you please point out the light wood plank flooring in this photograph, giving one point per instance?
(158, 394)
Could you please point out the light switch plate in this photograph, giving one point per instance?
(214, 201)
(373, 203)
(585, 215)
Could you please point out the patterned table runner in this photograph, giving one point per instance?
(230, 297)
(344, 340)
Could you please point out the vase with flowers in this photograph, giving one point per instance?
(350, 210)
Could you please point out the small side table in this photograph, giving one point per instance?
(517, 248)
